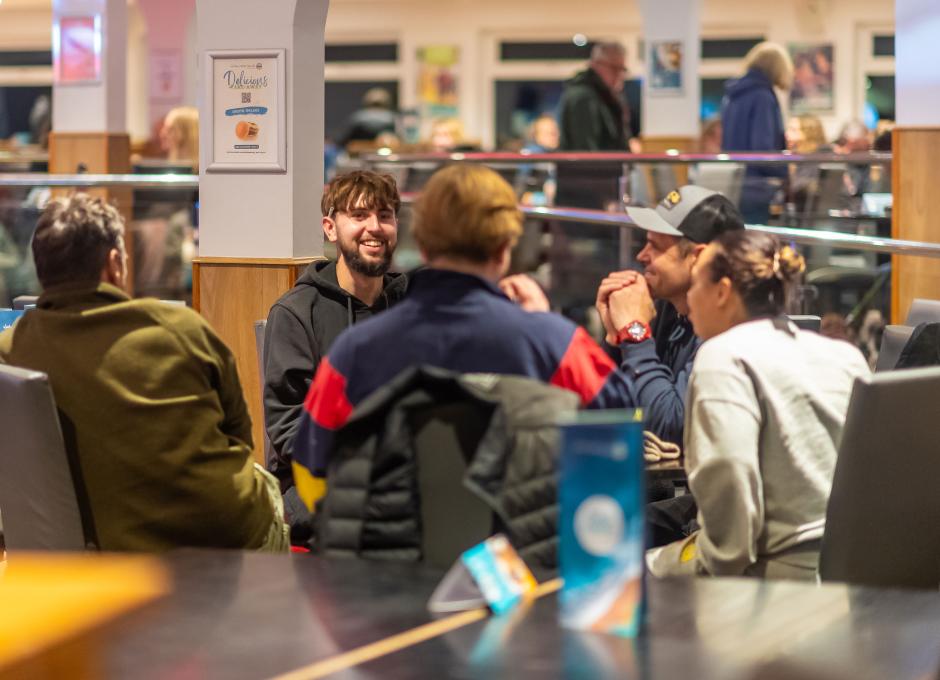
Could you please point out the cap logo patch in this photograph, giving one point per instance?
(672, 200)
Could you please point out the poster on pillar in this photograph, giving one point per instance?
(665, 60)
(248, 114)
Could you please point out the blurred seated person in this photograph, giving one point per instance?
(375, 117)
(855, 138)
(710, 139)
(766, 407)
(455, 317)
(543, 135)
(148, 394)
(537, 187)
(164, 220)
(447, 135)
(805, 135)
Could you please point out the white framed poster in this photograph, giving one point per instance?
(246, 129)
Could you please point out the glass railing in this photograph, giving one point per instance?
(162, 226)
(567, 248)
(835, 208)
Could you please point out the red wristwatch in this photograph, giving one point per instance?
(633, 332)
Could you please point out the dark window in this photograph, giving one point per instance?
(343, 98)
(728, 48)
(362, 52)
(37, 58)
(879, 94)
(519, 102)
(713, 89)
(16, 103)
(882, 46)
(537, 51)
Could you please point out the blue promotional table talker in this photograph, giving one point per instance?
(8, 317)
(601, 525)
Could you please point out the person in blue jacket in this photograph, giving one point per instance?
(751, 120)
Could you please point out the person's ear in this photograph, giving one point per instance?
(329, 229)
(115, 269)
(696, 251)
(723, 291)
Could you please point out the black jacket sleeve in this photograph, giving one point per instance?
(580, 119)
(291, 357)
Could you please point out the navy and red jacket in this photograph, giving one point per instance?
(457, 322)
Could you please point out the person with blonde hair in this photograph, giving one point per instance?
(805, 135)
(765, 408)
(458, 315)
(179, 136)
(447, 135)
(751, 120)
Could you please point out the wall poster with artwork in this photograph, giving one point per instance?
(246, 127)
(665, 64)
(812, 78)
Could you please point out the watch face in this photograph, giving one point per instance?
(636, 330)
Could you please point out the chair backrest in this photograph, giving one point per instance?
(882, 520)
(453, 519)
(259, 349)
(38, 498)
(726, 178)
(923, 311)
(807, 322)
(22, 301)
(892, 343)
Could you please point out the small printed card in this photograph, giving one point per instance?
(501, 575)
(601, 524)
(8, 317)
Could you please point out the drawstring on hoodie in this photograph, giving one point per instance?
(349, 312)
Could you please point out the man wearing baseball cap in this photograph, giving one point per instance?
(656, 339)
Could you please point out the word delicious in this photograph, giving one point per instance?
(241, 81)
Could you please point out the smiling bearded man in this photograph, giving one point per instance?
(360, 215)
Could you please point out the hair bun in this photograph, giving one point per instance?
(788, 263)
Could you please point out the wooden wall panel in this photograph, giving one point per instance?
(916, 215)
(233, 293)
(100, 153)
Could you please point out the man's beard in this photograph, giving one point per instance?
(360, 265)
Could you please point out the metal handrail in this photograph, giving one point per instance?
(805, 236)
(756, 158)
(83, 181)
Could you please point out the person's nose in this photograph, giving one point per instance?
(644, 255)
(372, 224)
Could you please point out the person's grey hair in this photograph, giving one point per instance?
(603, 51)
(73, 238)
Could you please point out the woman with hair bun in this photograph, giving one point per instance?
(765, 409)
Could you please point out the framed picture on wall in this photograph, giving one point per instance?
(665, 67)
(76, 50)
(246, 128)
(813, 74)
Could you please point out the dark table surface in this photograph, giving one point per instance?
(243, 615)
(246, 615)
(701, 629)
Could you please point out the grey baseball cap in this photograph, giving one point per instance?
(683, 213)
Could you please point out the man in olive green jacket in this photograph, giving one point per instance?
(148, 396)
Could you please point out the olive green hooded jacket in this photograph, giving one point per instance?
(150, 401)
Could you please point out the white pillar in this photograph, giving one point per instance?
(917, 52)
(86, 98)
(266, 214)
(672, 112)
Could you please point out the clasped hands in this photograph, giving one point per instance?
(623, 297)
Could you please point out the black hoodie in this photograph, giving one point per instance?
(301, 326)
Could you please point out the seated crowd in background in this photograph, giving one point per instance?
(148, 394)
